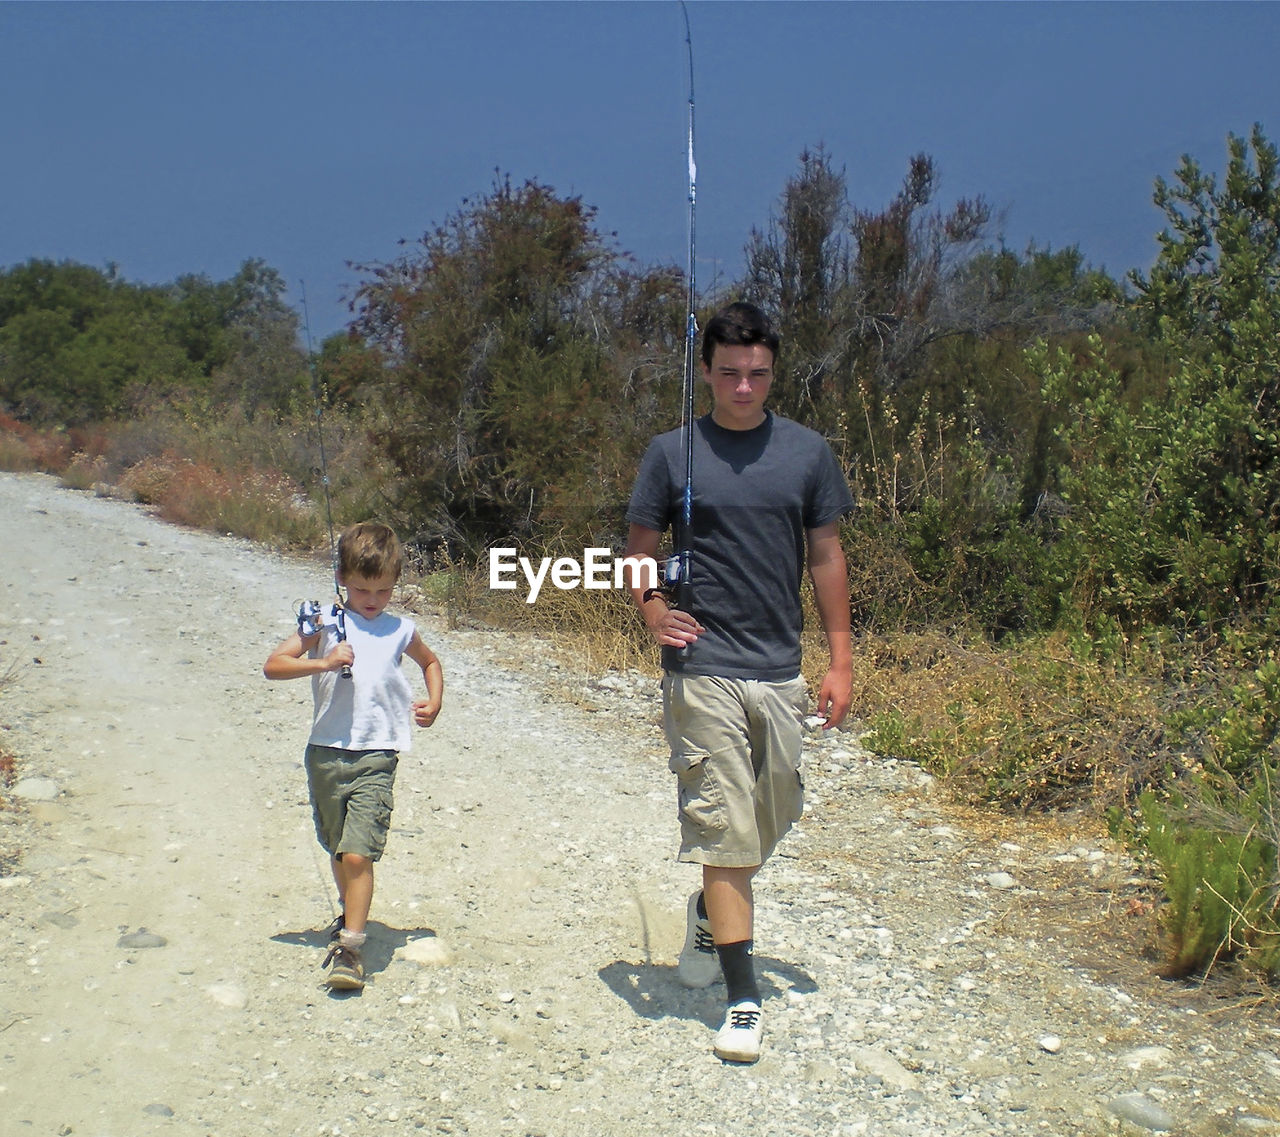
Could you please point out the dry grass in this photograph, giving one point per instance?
(261, 507)
(1030, 726)
(23, 449)
(594, 631)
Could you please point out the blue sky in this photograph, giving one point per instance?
(186, 137)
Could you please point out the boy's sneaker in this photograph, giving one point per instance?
(738, 1040)
(332, 932)
(699, 965)
(347, 972)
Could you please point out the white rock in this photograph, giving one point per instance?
(888, 1069)
(1000, 880)
(1142, 1111)
(228, 995)
(429, 951)
(1146, 1056)
(1050, 1043)
(36, 789)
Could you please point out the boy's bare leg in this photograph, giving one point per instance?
(730, 906)
(357, 890)
(336, 866)
(353, 875)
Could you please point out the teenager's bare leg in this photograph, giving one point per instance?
(730, 905)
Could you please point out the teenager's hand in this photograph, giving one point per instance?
(835, 697)
(341, 656)
(673, 628)
(425, 712)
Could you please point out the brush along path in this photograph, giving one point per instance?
(924, 972)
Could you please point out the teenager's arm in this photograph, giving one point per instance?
(668, 626)
(830, 578)
(290, 659)
(426, 710)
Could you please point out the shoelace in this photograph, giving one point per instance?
(702, 940)
(345, 957)
(744, 1018)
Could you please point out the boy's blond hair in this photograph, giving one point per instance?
(369, 550)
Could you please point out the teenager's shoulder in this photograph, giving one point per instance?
(787, 430)
(667, 439)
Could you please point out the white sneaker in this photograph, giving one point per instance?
(699, 965)
(739, 1039)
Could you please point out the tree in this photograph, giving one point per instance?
(800, 268)
(499, 389)
(78, 344)
(1220, 252)
(264, 368)
(861, 293)
(1175, 498)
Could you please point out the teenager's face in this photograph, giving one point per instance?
(739, 378)
(367, 597)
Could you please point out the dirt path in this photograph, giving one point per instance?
(161, 963)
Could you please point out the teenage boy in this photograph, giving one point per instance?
(768, 495)
(361, 723)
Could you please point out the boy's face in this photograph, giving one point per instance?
(739, 378)
(367, 597)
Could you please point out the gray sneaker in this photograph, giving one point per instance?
(347, 972)
(699, 965)
(738, 1040)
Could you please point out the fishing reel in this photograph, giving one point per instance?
(674, 586)
(311, 620)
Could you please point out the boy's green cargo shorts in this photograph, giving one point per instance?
(352, 798)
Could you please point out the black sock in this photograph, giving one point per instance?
(739, 971)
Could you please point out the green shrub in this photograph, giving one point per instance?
(1216, 855)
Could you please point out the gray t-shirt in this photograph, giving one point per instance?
(755, 493)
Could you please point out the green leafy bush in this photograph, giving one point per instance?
(1217, 860)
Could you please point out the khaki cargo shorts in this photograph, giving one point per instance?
(351, 798)
(736, 753)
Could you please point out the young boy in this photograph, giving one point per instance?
(363, 707)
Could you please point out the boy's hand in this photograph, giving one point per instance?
(425, 712)
(341, 656)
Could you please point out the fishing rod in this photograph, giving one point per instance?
(309, 610)
(680, 567)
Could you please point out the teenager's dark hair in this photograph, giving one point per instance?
(738, 325)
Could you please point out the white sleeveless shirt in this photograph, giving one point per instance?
(373, 710)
